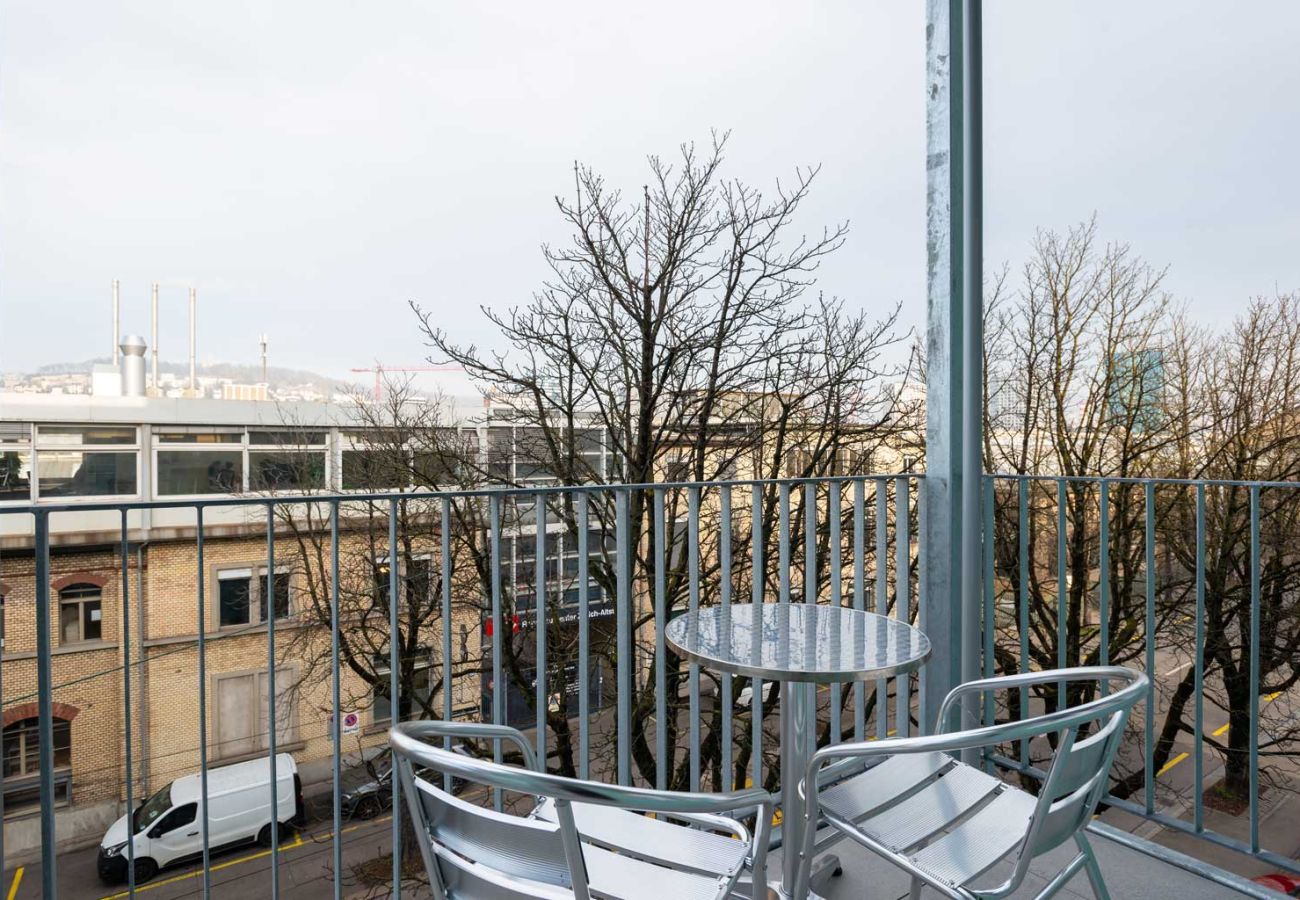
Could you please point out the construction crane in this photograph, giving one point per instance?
(379, 369)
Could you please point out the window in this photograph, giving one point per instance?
(22, 747)
(80, 614)
(22, 744)
(15, 461)
(421, 685)
(416, 579)
(374, 469)
(178, 818)
(200, 471)
(241, 712)
(67, 467)
(241, 599)
(285, 470)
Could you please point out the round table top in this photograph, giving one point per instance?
(798, 642)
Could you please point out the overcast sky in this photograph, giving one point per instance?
(310, 167)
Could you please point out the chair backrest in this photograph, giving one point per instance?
(474, 848)
(1076, 780)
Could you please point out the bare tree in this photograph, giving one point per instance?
(677, 325)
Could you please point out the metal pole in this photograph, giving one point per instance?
(45, 705)
(153, 318)
(117, 321)
(194, 341)
(970, 225)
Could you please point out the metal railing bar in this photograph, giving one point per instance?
(268, 594)
(903, 587)
(336, 728)
(1062, 602)
(756, 600)
(448, 678)
(1022, 533)
(1198, 761)
(45, 706)
(724, 563)
(326, 497)
(882, 596)
(662, 759)
(833, 512)
(584, 641)
(1254, 667)
(859, 599)
(623, 628)
(1148, 739)
(693, 601)
(539, 627)
(986, 545)
(203, 700)
(126, 702)
(394, 687)
(498, 626)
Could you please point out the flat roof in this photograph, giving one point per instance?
(32, 407)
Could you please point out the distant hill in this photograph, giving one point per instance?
(244, 374)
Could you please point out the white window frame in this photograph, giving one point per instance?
(159, 445)
(256, 575)
(38, 445)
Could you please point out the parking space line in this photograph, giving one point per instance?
(1169, 765)
(185, 876)
(18, 879)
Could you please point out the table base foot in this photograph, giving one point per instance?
(824, 869)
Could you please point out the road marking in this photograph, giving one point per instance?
(185, 876)
(1218, 732)
(1169, 765)
(18, 879)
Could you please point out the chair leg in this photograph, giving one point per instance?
(915, 892)
(1090, 864)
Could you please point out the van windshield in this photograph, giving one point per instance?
(152, 809)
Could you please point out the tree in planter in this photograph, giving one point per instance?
(678, 325)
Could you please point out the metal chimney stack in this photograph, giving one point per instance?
(133, 348)
(154, 307)
(117, 319)
(261, 338)
(194, 381)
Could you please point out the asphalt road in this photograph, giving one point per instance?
(305, 863)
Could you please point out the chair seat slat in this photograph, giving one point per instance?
(653, 839)
(882, 785)
(977, 844)
(931, 809)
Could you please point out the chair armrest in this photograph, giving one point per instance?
(480, 731)
(1028, 679)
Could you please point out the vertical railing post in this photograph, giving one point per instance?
(1198, 726)
(268, 597)
(394, 688)
(882, 595)
(336, 731)
(126, 701)
(758, 583)
(498, 625)
(45, 706)
(584, 638)
(903, 589)
(1149, 725)
(1254, 667)
(623, 629)
(539, 625)
(448, 679)
(1022, 533)
(834, 574)
(860, 598)
(663, 761)
(724, 563)
(201, 580)
(693, 601)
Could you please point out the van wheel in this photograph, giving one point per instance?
(145, 869)
(264, 836)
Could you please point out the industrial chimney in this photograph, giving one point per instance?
(194, 381)
(117, 319)
(133, 348)
(154, 306)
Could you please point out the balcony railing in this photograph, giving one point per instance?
(572, 649)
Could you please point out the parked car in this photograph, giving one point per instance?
(368, 787)
(168, 826)
(1283, 882)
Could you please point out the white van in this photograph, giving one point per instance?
(168, 826)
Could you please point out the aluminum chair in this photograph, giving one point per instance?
(947, 823)
(580, 839)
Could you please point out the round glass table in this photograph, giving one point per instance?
(799, 645)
